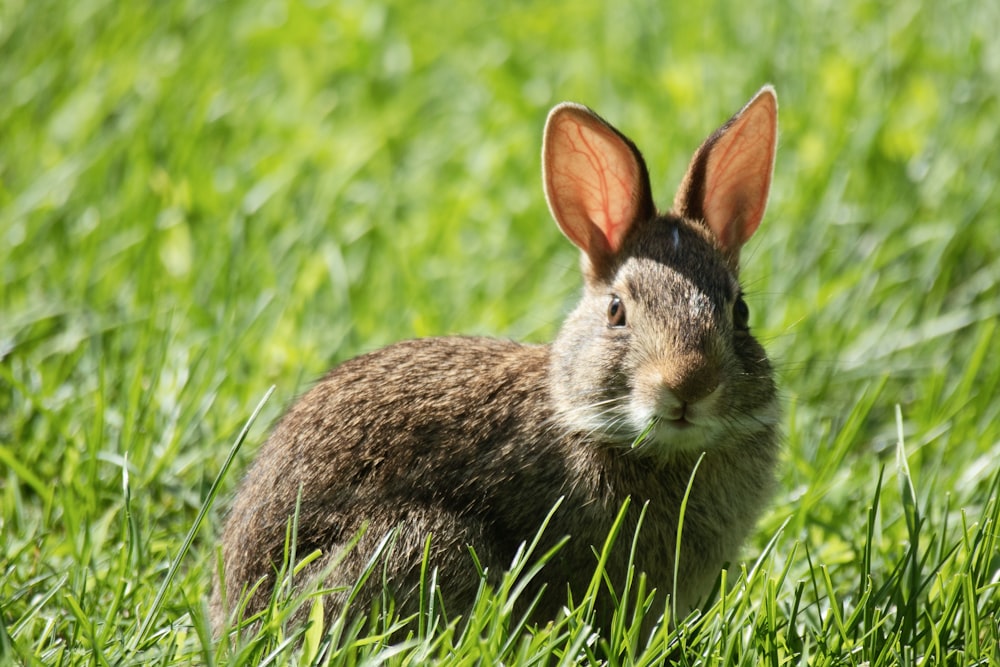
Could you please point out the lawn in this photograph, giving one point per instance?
(200, 201)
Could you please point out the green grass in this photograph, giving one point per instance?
(200, 200)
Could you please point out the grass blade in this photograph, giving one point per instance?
(137, 641)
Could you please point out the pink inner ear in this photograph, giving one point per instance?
(738, 173)
(605, 183)
(593, 180)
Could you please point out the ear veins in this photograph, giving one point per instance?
(727, 182)
(595, 181)
(610, 207)
(733, 171)
(604, 189)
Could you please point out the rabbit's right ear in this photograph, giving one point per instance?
(596, 182)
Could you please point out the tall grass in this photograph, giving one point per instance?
(200, 201)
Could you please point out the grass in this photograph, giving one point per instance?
(200, 201)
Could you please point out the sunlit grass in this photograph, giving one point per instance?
(201, 201)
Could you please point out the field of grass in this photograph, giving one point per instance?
(200, 200)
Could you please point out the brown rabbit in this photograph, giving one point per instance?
(473, 440)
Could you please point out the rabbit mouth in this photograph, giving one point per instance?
(681, 420)
(672, 412)
(678, 416)
(681, 423)
(693, 427)
(664, 436)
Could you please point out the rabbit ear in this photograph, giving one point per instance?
(596, 182)
(727, 182)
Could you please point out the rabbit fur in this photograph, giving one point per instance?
(474, 440)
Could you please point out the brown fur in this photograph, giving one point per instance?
(473, 440)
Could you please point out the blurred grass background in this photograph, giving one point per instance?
(201, 199)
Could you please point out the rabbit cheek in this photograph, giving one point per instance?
(590, 388)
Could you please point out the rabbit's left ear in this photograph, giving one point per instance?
(729, 177)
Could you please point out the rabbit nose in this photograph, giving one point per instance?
(695, 377)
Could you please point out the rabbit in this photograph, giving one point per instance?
(473, 441)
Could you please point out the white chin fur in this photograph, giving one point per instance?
(668, 436)
(700, 431)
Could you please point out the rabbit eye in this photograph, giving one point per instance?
(741, 314)
(616, 313)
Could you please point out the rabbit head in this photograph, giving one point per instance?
(659, 345)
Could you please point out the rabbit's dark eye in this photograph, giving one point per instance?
(741, 314)
(616, 313)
